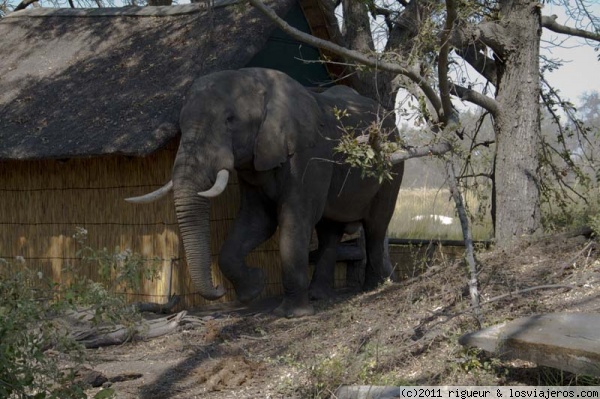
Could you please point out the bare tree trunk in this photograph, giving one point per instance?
(356, 35)
(517, 125)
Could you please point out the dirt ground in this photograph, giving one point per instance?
(402, 334)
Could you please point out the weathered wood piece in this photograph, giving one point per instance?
(367, 392)
(94, 337)
(566, 341)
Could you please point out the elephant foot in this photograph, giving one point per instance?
(321, 291)
(251, 287)
(372, 283)
(293, 308)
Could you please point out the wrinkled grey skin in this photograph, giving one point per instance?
(279, 138)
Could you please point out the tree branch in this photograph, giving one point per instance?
(526, 290)
(356, 56)
(549, 22)
(468, 237)
(448, 108)
(387, 14)
(484, 65)
(419, 152)
(488, 103)
(24, 4)
(491, 34)
(413, 89)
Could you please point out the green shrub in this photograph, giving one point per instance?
(27, 330)
(31, 319)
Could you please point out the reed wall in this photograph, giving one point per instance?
(42, 203)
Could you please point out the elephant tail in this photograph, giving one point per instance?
(153, 196)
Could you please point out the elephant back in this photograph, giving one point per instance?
(353, 112)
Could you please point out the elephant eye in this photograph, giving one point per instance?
(230, 118)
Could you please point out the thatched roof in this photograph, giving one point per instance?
(77, 83)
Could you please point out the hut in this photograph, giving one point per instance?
(89, 103)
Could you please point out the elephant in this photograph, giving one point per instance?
(326, 254)
(280, 139)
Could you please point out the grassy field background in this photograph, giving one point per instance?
(416, 211)
(424, 193)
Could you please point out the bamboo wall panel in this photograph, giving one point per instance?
(43, 202)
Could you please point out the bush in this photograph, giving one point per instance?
(27, 329)
(31, 319)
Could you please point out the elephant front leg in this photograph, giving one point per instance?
(294, 239)
(255, 223)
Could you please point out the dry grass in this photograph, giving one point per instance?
(425, 202)
(400, 334)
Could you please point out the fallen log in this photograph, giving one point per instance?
(97, 336)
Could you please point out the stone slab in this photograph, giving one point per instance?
(367, 392)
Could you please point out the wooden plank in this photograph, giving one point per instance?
(566, 341)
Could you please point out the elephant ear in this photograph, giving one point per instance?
(291, 122)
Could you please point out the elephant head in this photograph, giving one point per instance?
(252, 120)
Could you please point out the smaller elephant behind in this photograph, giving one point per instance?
(336, 100)
(330, 251)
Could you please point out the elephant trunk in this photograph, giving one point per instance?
(193, 214)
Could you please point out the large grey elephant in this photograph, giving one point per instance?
(279, 137)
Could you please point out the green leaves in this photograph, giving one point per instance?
(26, 331)
(31, 310)
(119, 269)
(369, 150)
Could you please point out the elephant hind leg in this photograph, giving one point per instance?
(329, 234)
(379, 267)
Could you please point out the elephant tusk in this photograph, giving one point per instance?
(153, 196)
(218, 187)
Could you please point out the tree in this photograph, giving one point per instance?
(590, 109)
(428, 42)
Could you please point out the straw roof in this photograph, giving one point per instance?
(80, 83)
